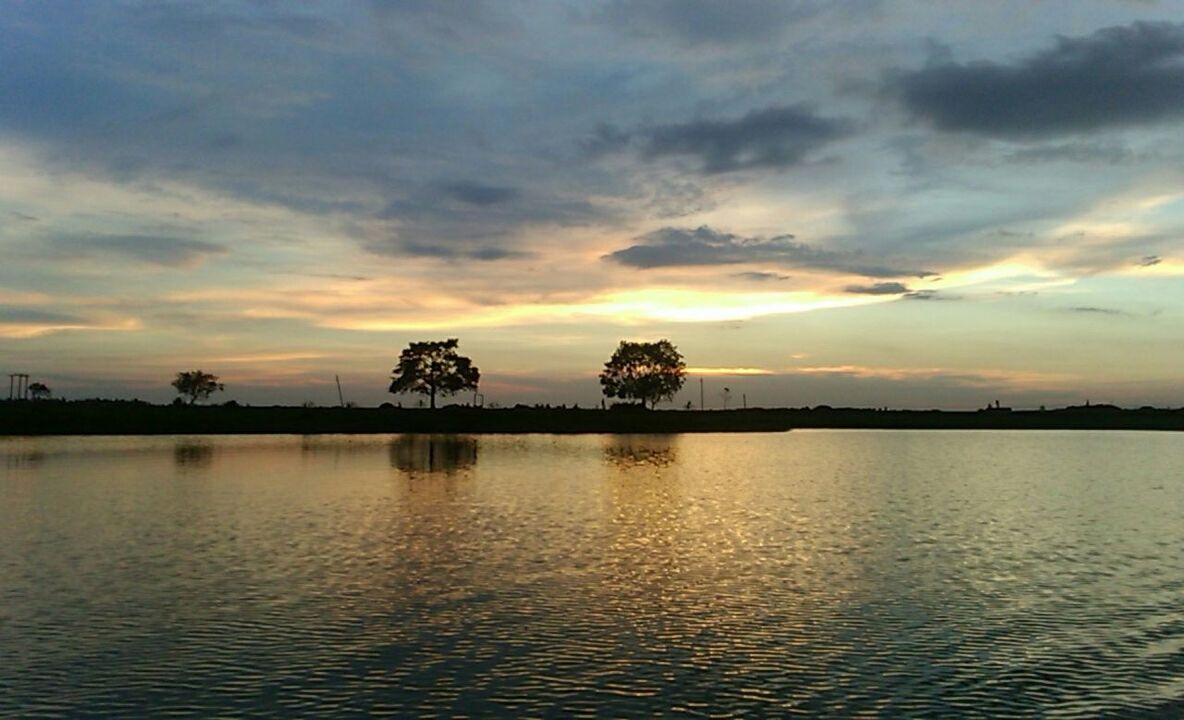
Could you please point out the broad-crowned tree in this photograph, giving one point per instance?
(196, 385)
(432, 368)
(645, 371)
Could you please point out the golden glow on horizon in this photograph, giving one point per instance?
(626, 307)
(1015, 378)
(728, 371)
(21, 331)
(271, 357)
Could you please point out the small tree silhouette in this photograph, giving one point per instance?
(39, 391)
(434, 367)
(196, 385)
(643, 371)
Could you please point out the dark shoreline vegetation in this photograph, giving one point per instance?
(122, 417)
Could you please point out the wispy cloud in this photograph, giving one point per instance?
(884, 288)
(774, 138)
(686, 247)
(163, 251)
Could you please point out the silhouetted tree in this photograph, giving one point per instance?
(196, 385)
(39, 391)
(643, 371)
(434, 367)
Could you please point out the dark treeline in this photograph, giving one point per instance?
(104, 417)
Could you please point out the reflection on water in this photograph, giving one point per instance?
(193, 454)
(633, 450)
(23, 459)
(886, 574)
(433, 453)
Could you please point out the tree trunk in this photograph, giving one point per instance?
(432, 396)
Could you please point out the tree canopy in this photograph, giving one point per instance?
(39, 391)
(196, 385)
(645, 371)
(434, 367)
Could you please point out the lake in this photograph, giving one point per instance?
(883, 573)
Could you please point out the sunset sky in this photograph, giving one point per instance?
(913, 204)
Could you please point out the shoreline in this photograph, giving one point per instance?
(106, 417)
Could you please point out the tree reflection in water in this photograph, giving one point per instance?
(193, 454)
(627, 451)
(433, 453)
(21, 460)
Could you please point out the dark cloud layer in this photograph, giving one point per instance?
(1116, 76)
(683, 247)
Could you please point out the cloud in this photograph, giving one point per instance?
(24, 321)
(772, 138)
(1117, 76)
(164, 251)
(929, 295)
(883, 288)
(474, 193)
(1091, 310)
(756, 276)
(446, 252)
(474, 220)
(708, 22)
(681, 247)
(1149, 260)
(1075, 152)
(22, 315)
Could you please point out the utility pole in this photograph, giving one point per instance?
(700, 393)
(340, 397)
(745, 397)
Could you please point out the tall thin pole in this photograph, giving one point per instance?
(701, 394)
(745, 396)
(340, 397)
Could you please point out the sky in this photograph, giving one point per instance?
(865, 203)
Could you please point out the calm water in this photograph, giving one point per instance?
(879, 573)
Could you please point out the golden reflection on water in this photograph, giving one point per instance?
(648, 551)
(878, 574)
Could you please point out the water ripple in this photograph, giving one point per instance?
(853, 574)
